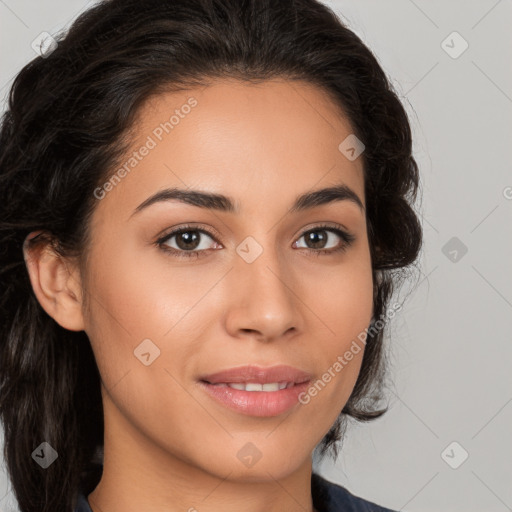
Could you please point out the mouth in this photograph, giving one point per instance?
(254, 386)
(257, 391)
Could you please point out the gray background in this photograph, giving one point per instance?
(451, 344)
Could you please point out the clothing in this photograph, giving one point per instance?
(327, 497)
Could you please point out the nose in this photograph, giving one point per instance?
(262, 302)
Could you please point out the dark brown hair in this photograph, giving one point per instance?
(67, 124)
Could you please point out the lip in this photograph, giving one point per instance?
(256, 403)
(258, 374)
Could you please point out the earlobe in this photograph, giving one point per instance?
(56, 284)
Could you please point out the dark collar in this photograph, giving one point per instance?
(327, 497)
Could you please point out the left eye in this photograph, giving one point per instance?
(188, 241)
(312, 236)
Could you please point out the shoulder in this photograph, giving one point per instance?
(331, 497)
(82, 505)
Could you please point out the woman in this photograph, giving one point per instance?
(205, 206)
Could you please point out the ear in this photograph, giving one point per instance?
(56, 283)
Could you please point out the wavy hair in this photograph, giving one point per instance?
(69, 119)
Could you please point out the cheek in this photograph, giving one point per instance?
(344, 306)
(341, 296)
(135, 298)
(142, 296)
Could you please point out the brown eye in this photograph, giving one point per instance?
(318, 239)
(191, 241)
(187, 242)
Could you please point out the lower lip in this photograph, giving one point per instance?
(256, 403)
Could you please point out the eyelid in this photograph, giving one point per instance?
(168, 233)
(201, 227)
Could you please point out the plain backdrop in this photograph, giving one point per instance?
(445, 443)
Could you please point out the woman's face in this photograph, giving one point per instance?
(255, 288)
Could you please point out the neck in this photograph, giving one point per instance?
(140, 475)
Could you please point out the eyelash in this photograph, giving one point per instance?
(347, 240)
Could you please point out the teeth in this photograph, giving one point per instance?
(254, 386)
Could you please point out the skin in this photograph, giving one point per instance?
(168, 445)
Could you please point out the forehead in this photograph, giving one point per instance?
(262, 141)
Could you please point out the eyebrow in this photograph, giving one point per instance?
(220, 202)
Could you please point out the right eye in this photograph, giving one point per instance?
(187, 242)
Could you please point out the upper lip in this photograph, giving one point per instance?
(258, 374)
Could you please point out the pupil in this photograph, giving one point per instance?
(313, 237)
(190, 240)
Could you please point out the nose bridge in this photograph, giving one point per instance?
(264, 300)
(263, 265)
